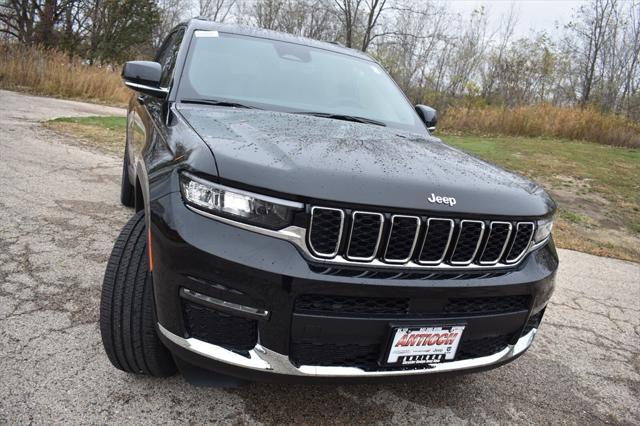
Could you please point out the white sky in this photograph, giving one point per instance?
(536, 15)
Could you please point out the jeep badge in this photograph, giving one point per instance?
(450, 201)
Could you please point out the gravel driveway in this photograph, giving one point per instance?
(59, 215)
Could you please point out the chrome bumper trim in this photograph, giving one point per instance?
(265, 360)
(223, 305)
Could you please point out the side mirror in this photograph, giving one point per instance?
(144, 77)
(428, 115)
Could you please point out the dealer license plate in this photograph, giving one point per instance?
(424, 345)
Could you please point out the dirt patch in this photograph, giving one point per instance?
(578, 196)
(598, 241)
(589, 222)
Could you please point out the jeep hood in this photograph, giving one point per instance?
(357, 164)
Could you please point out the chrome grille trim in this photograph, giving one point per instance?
(299, 238)
(335, 252)
(341, 261)
(473, 256)
(470, 258)
(426, 236)
(504, 246)
(510, 261)
(380, 228)
(413, 245)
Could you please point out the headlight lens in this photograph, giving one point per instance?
(236, 204)
(543, 230)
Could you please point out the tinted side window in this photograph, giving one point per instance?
(167, 56)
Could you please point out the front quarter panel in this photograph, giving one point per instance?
(171, 148)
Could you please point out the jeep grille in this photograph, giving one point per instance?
(361, 237)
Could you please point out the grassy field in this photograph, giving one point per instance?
(597, 187)
(105, 133)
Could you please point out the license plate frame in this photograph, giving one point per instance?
(423, 349)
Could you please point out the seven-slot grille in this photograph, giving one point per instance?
(413, 240)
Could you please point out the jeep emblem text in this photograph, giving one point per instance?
(450, 201)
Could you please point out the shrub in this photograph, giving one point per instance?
(544, 120)
(50, 72)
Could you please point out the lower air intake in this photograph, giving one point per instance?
(218, 328)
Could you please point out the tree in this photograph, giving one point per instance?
(360, 18)
(309, 18)
(18, 18)
(495, 58)
(120, 29)
(32, 21)
(467, 53)
(408, 47)
(73, 27)
(630, 94)
(170, 14)
(216, 10)
(591, 30)
(267, 13)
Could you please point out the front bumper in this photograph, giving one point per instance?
(269, 275)
(263, 360)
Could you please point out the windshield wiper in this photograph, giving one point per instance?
(344, 117)
(217, 102)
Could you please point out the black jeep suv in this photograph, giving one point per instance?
(296, 220)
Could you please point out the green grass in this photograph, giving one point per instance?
(597, 187)
(575, 217)
(109, 123)
(104, 133)
(614, 171)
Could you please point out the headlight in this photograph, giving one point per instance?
(260, 210)
(543, 230)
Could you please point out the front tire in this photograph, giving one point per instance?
(127, 320)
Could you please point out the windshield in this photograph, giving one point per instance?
(289, 77)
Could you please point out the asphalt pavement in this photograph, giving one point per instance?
(59, 216)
